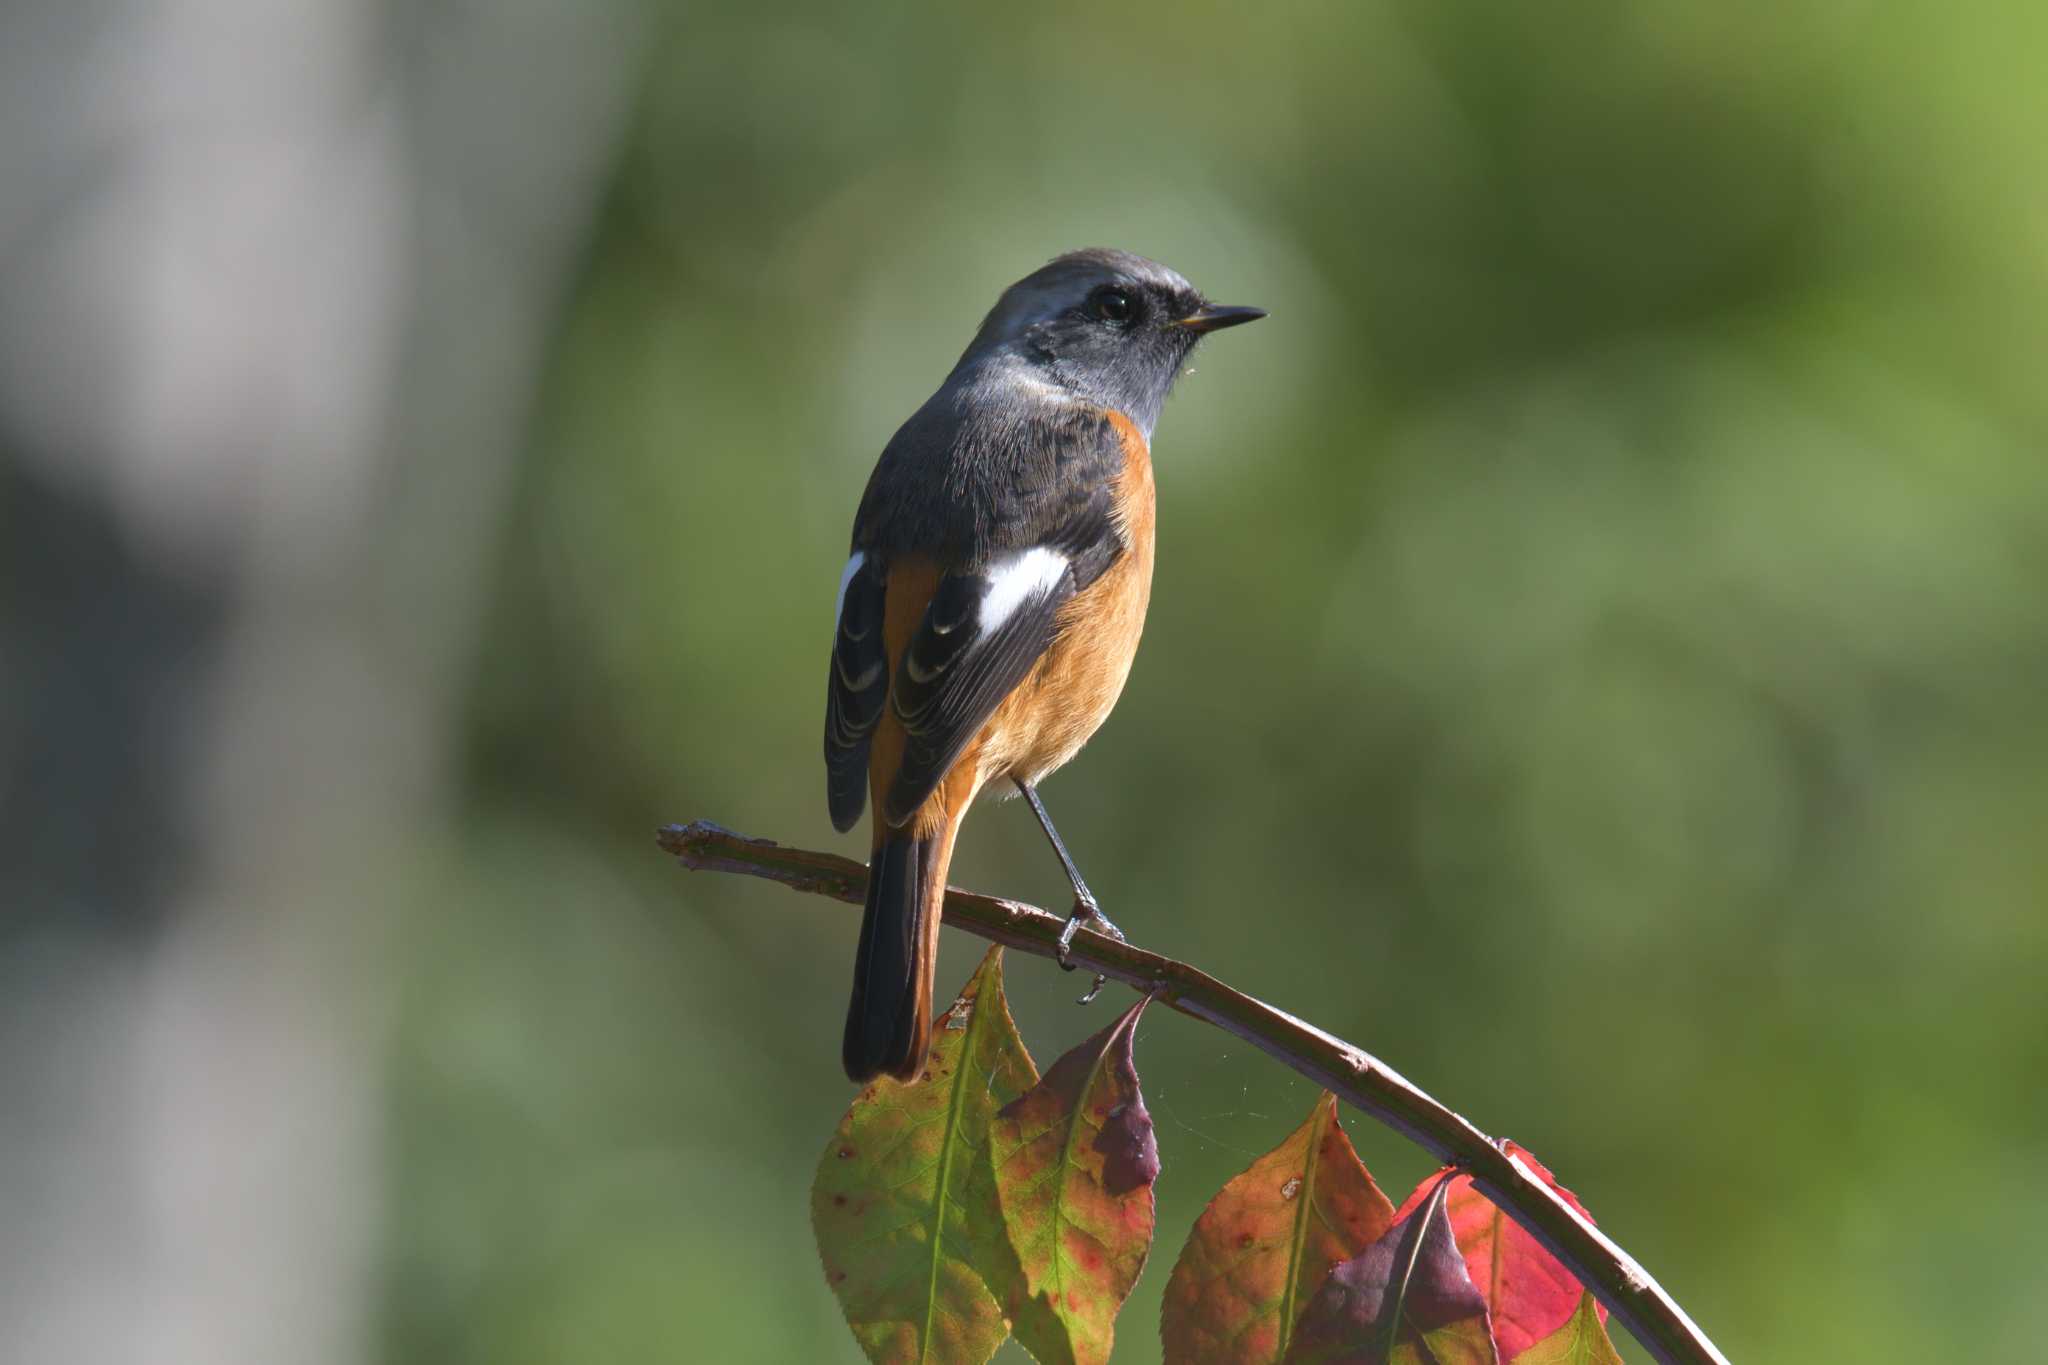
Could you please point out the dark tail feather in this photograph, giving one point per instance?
(889, 1022)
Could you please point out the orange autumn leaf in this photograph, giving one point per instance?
(1264, 1245)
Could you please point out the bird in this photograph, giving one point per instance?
(992, 600)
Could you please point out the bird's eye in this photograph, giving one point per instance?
(1114, 305)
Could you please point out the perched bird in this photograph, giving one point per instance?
(988, 614)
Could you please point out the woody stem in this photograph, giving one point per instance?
(1354, 1075)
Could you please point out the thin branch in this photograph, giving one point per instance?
(1353, 1074)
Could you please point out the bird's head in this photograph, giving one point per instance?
(1106, 325)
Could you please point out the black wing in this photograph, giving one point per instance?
(1026, 510)
(979, 637)
(857, 690)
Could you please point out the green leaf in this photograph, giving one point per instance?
(1581, 1341)
(1404, 1300)
(1074, 1161)
(907, 1222)
(1266, 1242)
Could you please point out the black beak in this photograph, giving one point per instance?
(1214, 317)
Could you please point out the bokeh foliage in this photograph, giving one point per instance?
(1596, 659)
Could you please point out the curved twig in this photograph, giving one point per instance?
(1356, 1076)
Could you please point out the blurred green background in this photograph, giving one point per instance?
(1596, 660)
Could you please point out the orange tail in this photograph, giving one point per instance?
(889, 1021)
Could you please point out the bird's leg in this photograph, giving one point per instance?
(1086, 907)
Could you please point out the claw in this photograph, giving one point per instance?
(1066, 943)
(1084, 910)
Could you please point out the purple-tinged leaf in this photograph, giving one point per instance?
(1074, 1160)
(1529, 1294)
(1404, 1300)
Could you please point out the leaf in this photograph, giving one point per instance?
(1266, 1241)
(1074, 1161)
(1404, 1300)
(1528, 1291)
(1582, 1340)
(910, 1235)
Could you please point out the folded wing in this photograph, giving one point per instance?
(857, 690)
(1043, 528)
(978, 640)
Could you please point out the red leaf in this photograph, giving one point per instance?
(1264, 1244)
(1074, 1161)
(1405, 1300)
(1528, 1291)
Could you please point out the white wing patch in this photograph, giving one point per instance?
(1016, 579)
(860, 557)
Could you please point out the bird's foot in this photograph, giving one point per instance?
(1086, 909)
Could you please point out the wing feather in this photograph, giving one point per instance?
(979, 638)
(857, 689)
(1024, 514)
